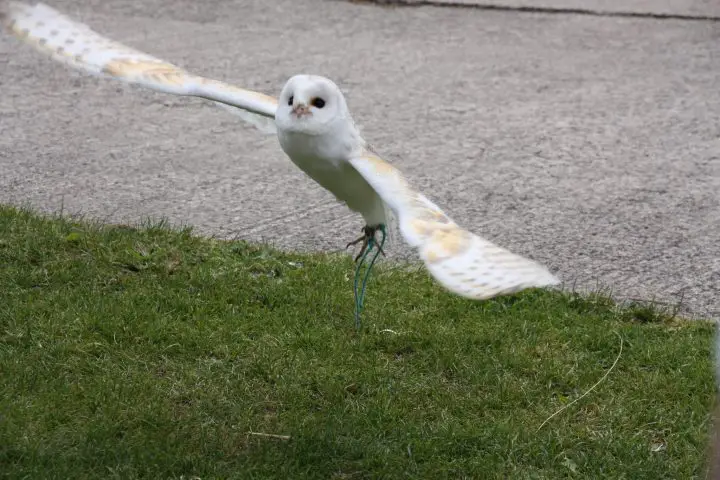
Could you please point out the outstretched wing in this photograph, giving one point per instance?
(461, 261)
(75, 44)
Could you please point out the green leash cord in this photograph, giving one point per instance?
(359, 298)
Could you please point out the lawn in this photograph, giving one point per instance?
(153, 353)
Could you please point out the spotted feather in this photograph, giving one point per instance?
(461, 261)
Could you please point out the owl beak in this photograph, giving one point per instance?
(301, 109)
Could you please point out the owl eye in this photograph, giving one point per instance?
(318, 102)
(290, 100)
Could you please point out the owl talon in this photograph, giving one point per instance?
(368, 240)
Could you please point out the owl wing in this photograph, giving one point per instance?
(461, 261)
(76, 45)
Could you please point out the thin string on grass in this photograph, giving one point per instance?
(591, 388)
(269, 435)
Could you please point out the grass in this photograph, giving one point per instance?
(151, 353)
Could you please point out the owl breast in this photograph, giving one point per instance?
(327, 164)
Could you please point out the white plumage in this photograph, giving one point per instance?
(316, 130)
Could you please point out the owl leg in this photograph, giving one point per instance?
(368, 240)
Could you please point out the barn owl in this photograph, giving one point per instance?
(315, 129)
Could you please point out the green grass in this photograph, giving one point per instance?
(151, 353)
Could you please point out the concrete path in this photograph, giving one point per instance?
(649, 8)
(589, 143)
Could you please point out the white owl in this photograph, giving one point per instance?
(316, 131)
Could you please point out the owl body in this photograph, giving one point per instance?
(321, 140)
(341, 179)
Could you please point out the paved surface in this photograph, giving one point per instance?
(692, 8)
(589, 143)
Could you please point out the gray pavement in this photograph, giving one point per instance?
(589, 143)
(686, 8)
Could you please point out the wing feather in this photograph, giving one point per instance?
(461, 261)
(78, 46)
